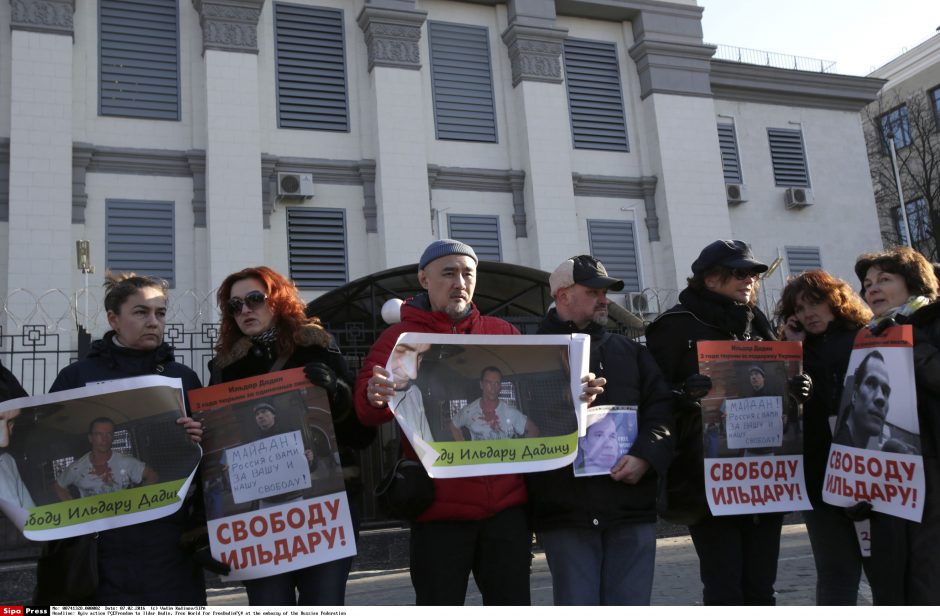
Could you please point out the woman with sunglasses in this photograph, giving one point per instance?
(901, 288)
(738, 553)
(825, 314)
(143, 564)
(264, 329)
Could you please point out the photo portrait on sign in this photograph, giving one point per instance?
(878, 410)
(611, 432)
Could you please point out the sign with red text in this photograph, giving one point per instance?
(751, 429)
(272, 480)
(875, 454)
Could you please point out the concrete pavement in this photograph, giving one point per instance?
(676, 580)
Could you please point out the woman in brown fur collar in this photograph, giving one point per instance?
(264, 329)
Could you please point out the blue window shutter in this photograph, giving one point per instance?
(480, 232)
(788, 157)
(728, 143)
(140, 237)
(802, 258)
(316, 244)
(138, 59)
(595, 98)
(461, 82)
(311, 68)
(613, 243)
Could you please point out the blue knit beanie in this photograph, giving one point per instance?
(442, 248)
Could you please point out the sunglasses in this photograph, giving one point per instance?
(253, 300)
(744, 274)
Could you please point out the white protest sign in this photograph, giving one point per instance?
(754, 422)
(267, 467)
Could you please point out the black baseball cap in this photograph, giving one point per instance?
(733, 254)
(584, 270)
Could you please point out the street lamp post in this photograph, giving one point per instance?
(897, 181)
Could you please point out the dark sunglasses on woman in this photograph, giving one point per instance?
(741, 274)
(253, 300)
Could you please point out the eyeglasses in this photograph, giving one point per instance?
(744, 274)
(253, 300)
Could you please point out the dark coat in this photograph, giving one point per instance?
(9, 387)
(671, 338)
(926, 322)
(141, 564)
(464, 498)
(560, 500)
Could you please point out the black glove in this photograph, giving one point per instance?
(323, 376)
(195, 542)
(858, 511)
(696, 386)
(801, 387)
(882, 325)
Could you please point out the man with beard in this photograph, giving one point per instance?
(488, 418)
(599, 532)
(864, 418)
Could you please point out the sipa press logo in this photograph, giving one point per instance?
(11, 610)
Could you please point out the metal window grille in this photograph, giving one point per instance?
(788, 157)
(613, 242)
(316, 240)
(802, 258)
(595, 96)
(728, 143)
(480, 232)
(140, 237)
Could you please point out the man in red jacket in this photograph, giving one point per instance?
(475, 524)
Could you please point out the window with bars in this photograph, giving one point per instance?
(728, 143)
(802, 258)
(311, 68)
(316, 244)
(138, 59)
(895, 123)
(480, 232)
(788, 157)
(140, 237)
(918, 218)
(461, 82)
(595, 96)
(613, 243)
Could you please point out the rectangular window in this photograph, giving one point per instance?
(595, 96)
(316, 244)
(934, 96)
(613, 243)
(895, 123)
(461, 82)
(311, 68)
(138, 59)
(918, 217)
(480, 232)
(788, 157)
(802, 258)
(727, 141)
(140, 237)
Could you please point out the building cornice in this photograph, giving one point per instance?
(229, 25)
(534, 52)
(778, 86)
(619, 187)
(49, 16)
(484, 180)
(392, 36)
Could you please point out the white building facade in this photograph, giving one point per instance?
(179, 137)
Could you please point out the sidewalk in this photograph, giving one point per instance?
(676, 581)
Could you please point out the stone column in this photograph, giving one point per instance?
(233, 210)
(535, 45)
(41, 249)
(392, 31)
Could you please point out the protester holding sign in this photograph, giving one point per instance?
(824, 313)
(264, 329)
(901, 288)
(141, 564)
(738, 553)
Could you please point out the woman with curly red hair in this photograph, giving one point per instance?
(264, 329)
(825, 314)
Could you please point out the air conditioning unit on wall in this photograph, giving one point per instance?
(736, 193)
(639, 302)
(295, 185)
(797, 198)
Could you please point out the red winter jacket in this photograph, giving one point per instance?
(466, 498)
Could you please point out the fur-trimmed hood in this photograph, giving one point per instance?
(307, 336)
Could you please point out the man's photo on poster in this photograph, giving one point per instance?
(611, 432)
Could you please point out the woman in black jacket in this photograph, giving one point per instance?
(825, 314)
(142, 564)
(264, 329)
(738, 553)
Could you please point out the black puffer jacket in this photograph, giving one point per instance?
(671, 338)
(140, 564)
(825, 360)
(557, 498)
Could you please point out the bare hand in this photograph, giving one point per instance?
(592, 388)
(629, 469)
(381, 387)
(793, 331)
(309, 455)
(193, 428)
